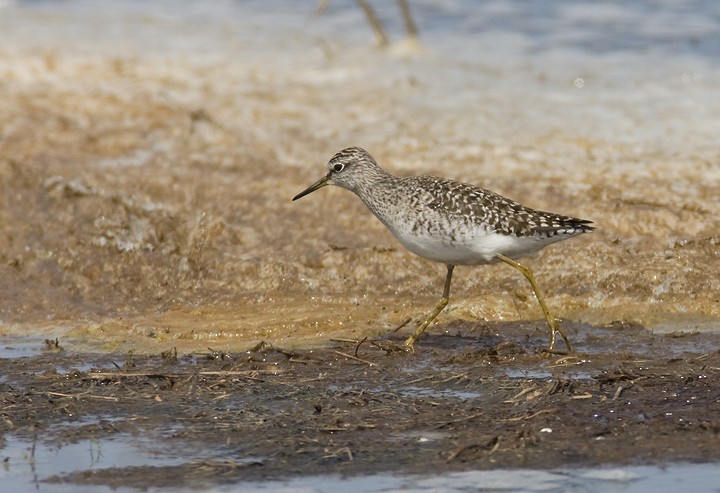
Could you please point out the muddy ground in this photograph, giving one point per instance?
(473, 396)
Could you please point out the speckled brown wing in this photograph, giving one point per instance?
(500, 214)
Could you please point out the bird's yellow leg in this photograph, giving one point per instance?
(436, 311)
(552, 321)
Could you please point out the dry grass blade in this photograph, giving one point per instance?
(350, 356)
(84, 396)
(531, 416)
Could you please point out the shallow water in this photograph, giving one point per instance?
(28, 466)
(702, 477)
(20, 347)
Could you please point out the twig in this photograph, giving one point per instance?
(618, 392)
(343, 339)
(459, 375)
(402, 324)
(531, 416)
(421, 379)
(565, 361)
(456, 421)
(517, 396)
(369, 363)
(337, 452)
(332, 429)
(240, 372)
(90, 396)
(358, 345)
(99, 375)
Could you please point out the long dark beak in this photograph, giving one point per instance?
(318, 184)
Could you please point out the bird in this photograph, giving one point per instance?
(452, 222)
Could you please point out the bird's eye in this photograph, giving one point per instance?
(338, 167)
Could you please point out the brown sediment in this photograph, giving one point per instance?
(126, 208)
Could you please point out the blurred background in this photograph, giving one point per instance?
(149, 152)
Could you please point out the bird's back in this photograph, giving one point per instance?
(484, 207)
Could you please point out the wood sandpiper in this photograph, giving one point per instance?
(451, 222)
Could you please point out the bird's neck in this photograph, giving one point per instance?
(371, 180)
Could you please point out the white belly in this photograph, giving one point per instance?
(477, 246)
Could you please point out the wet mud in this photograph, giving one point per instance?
(473, 396)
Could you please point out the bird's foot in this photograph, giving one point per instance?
(409, 345)
(554, 330)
